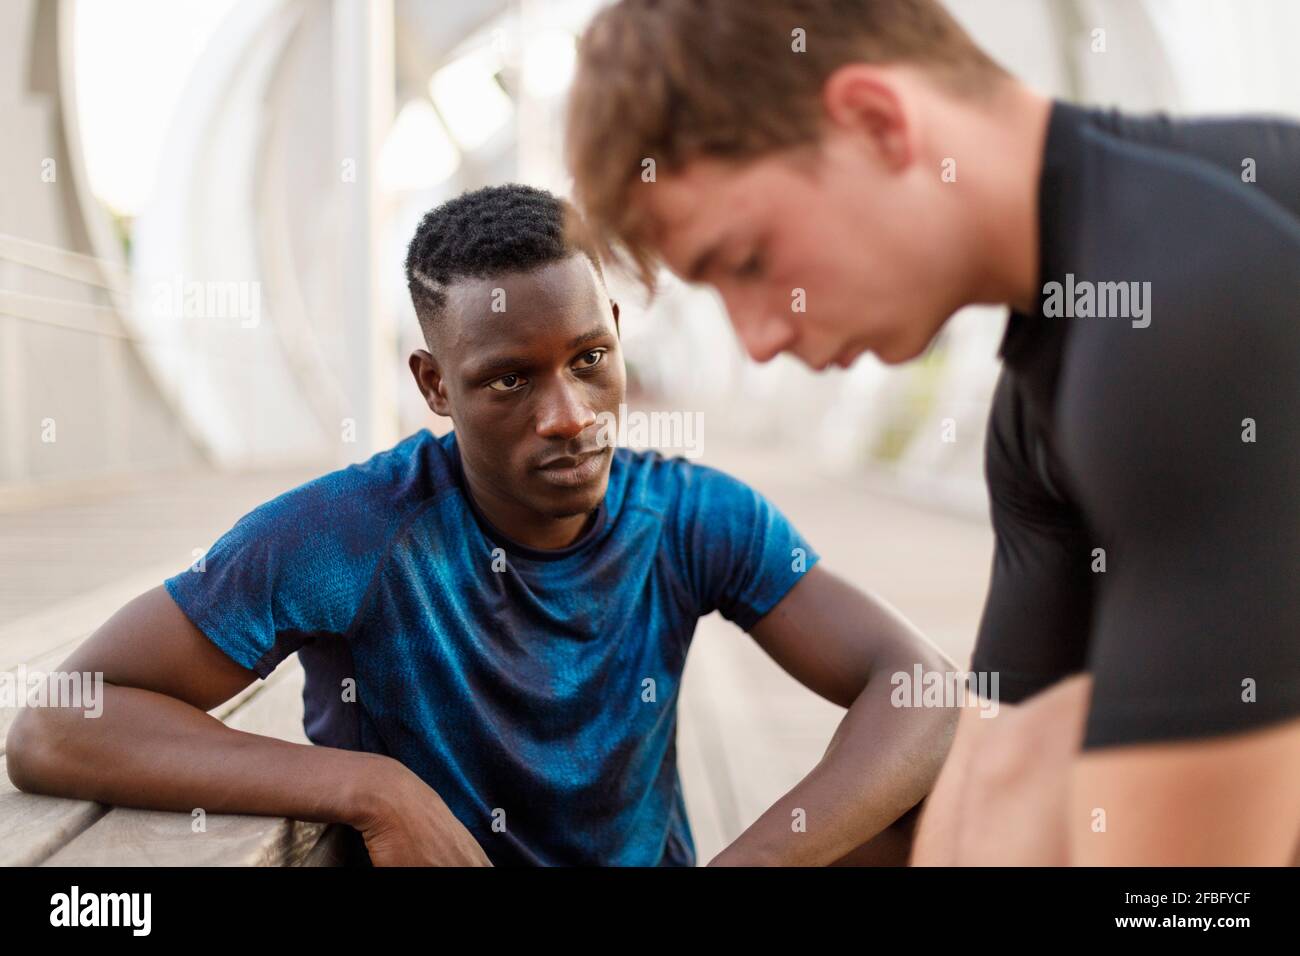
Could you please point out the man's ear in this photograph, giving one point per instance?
(613, 306)
(428, 379)
(865, 97)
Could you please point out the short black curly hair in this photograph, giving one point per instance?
(488, 232)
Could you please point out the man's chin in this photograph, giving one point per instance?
(573, 502)
(893, 355)
(902, 348)
(843, 359)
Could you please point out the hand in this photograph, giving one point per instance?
(406, 823)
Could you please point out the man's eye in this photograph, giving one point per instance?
(589, 359)
(507, 383)
(750, 268)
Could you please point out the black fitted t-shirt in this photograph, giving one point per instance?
(1118, 437)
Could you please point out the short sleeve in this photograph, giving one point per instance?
(1035, 625)
(288, 571)
(741, 554)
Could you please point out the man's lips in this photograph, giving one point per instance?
(570, 471)
(849, 354)
(570, 461)
(839, 359)
(842, 358)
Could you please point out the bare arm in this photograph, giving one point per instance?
(882, 760)
(1000, 800)
(1222, 801)
(154, 745)
(1017, 790)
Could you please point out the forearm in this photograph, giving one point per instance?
(881, 762)
(1001, 799)
(1227, 800)
(153, 751)
(939, 829)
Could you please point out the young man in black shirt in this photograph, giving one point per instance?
(847, 175)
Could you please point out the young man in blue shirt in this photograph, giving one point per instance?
(493, 624)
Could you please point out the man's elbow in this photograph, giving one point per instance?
(30, 751)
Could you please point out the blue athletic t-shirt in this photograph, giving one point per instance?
(534, 691)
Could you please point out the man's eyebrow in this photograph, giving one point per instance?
(597, 333)
(500, 365)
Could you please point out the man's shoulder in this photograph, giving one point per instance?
(360, 502)
(303, 559)
(1175, 259)
(649, 479)
(418, 467)
(1174, 209)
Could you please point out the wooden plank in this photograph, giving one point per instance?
(328, 851)
(109, 536)
(131, 837)
(32, 826)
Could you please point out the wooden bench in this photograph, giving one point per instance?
(43, 830)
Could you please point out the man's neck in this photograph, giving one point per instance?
(524, 525)
(1005, 227)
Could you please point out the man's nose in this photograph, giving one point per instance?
(564, 413)
(764, 335)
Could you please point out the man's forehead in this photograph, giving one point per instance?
(692, 210)
(705, 196)
(528, 308)
(562, 282)
(672, 202)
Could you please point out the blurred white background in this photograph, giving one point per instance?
(205, 203)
